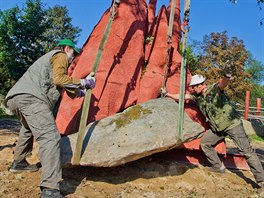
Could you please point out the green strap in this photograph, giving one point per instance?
(183, 69)
(87, 97)
(169, 42)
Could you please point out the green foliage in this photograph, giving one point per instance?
(20, 34)
(27, 34)
(192, 60)
(256, 92)
(219, 51)
(210, 58)
(9, 27)
(5, 79)
(255, 69)
(59, 27)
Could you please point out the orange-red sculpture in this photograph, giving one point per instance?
(131, 69)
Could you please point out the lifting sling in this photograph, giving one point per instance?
(87, 97)
(185, 29)
(169, 42)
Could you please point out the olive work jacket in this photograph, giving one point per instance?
(38, 79)
(217, 109)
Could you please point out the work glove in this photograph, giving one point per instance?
(80, 92)
(89, 81)
(163, 92)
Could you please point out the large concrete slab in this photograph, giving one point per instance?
(139, 131)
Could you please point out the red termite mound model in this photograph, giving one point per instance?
(131, 69)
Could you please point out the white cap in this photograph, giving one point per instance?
(197, 79)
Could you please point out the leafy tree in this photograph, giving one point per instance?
(10, 27)
(218, 52)
(28, 40)
(27, 34)
(257, 92)
(255, 68)
(20, 34)
(60, 27)
(191, 58)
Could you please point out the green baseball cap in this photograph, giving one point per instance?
(68, 42)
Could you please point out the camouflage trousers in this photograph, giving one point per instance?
(38, 123)
(240, 138)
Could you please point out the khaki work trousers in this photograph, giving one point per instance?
(240, 138)
(38, 121)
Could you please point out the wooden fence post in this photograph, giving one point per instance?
(247, 104)
(258, 106)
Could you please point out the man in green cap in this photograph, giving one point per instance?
(33, 99)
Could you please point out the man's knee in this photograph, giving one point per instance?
(49, 137)
(247, 152)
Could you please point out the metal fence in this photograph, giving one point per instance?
(253, 112)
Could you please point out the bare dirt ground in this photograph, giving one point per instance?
(151, 177)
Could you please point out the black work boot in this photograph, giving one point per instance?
(50, 193)
(22, 166)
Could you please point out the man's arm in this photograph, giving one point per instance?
(224, 82)
(226, 78)
(177, 96)
(59, 66)
(60, 78)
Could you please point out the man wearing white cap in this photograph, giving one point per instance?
(224, 120)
